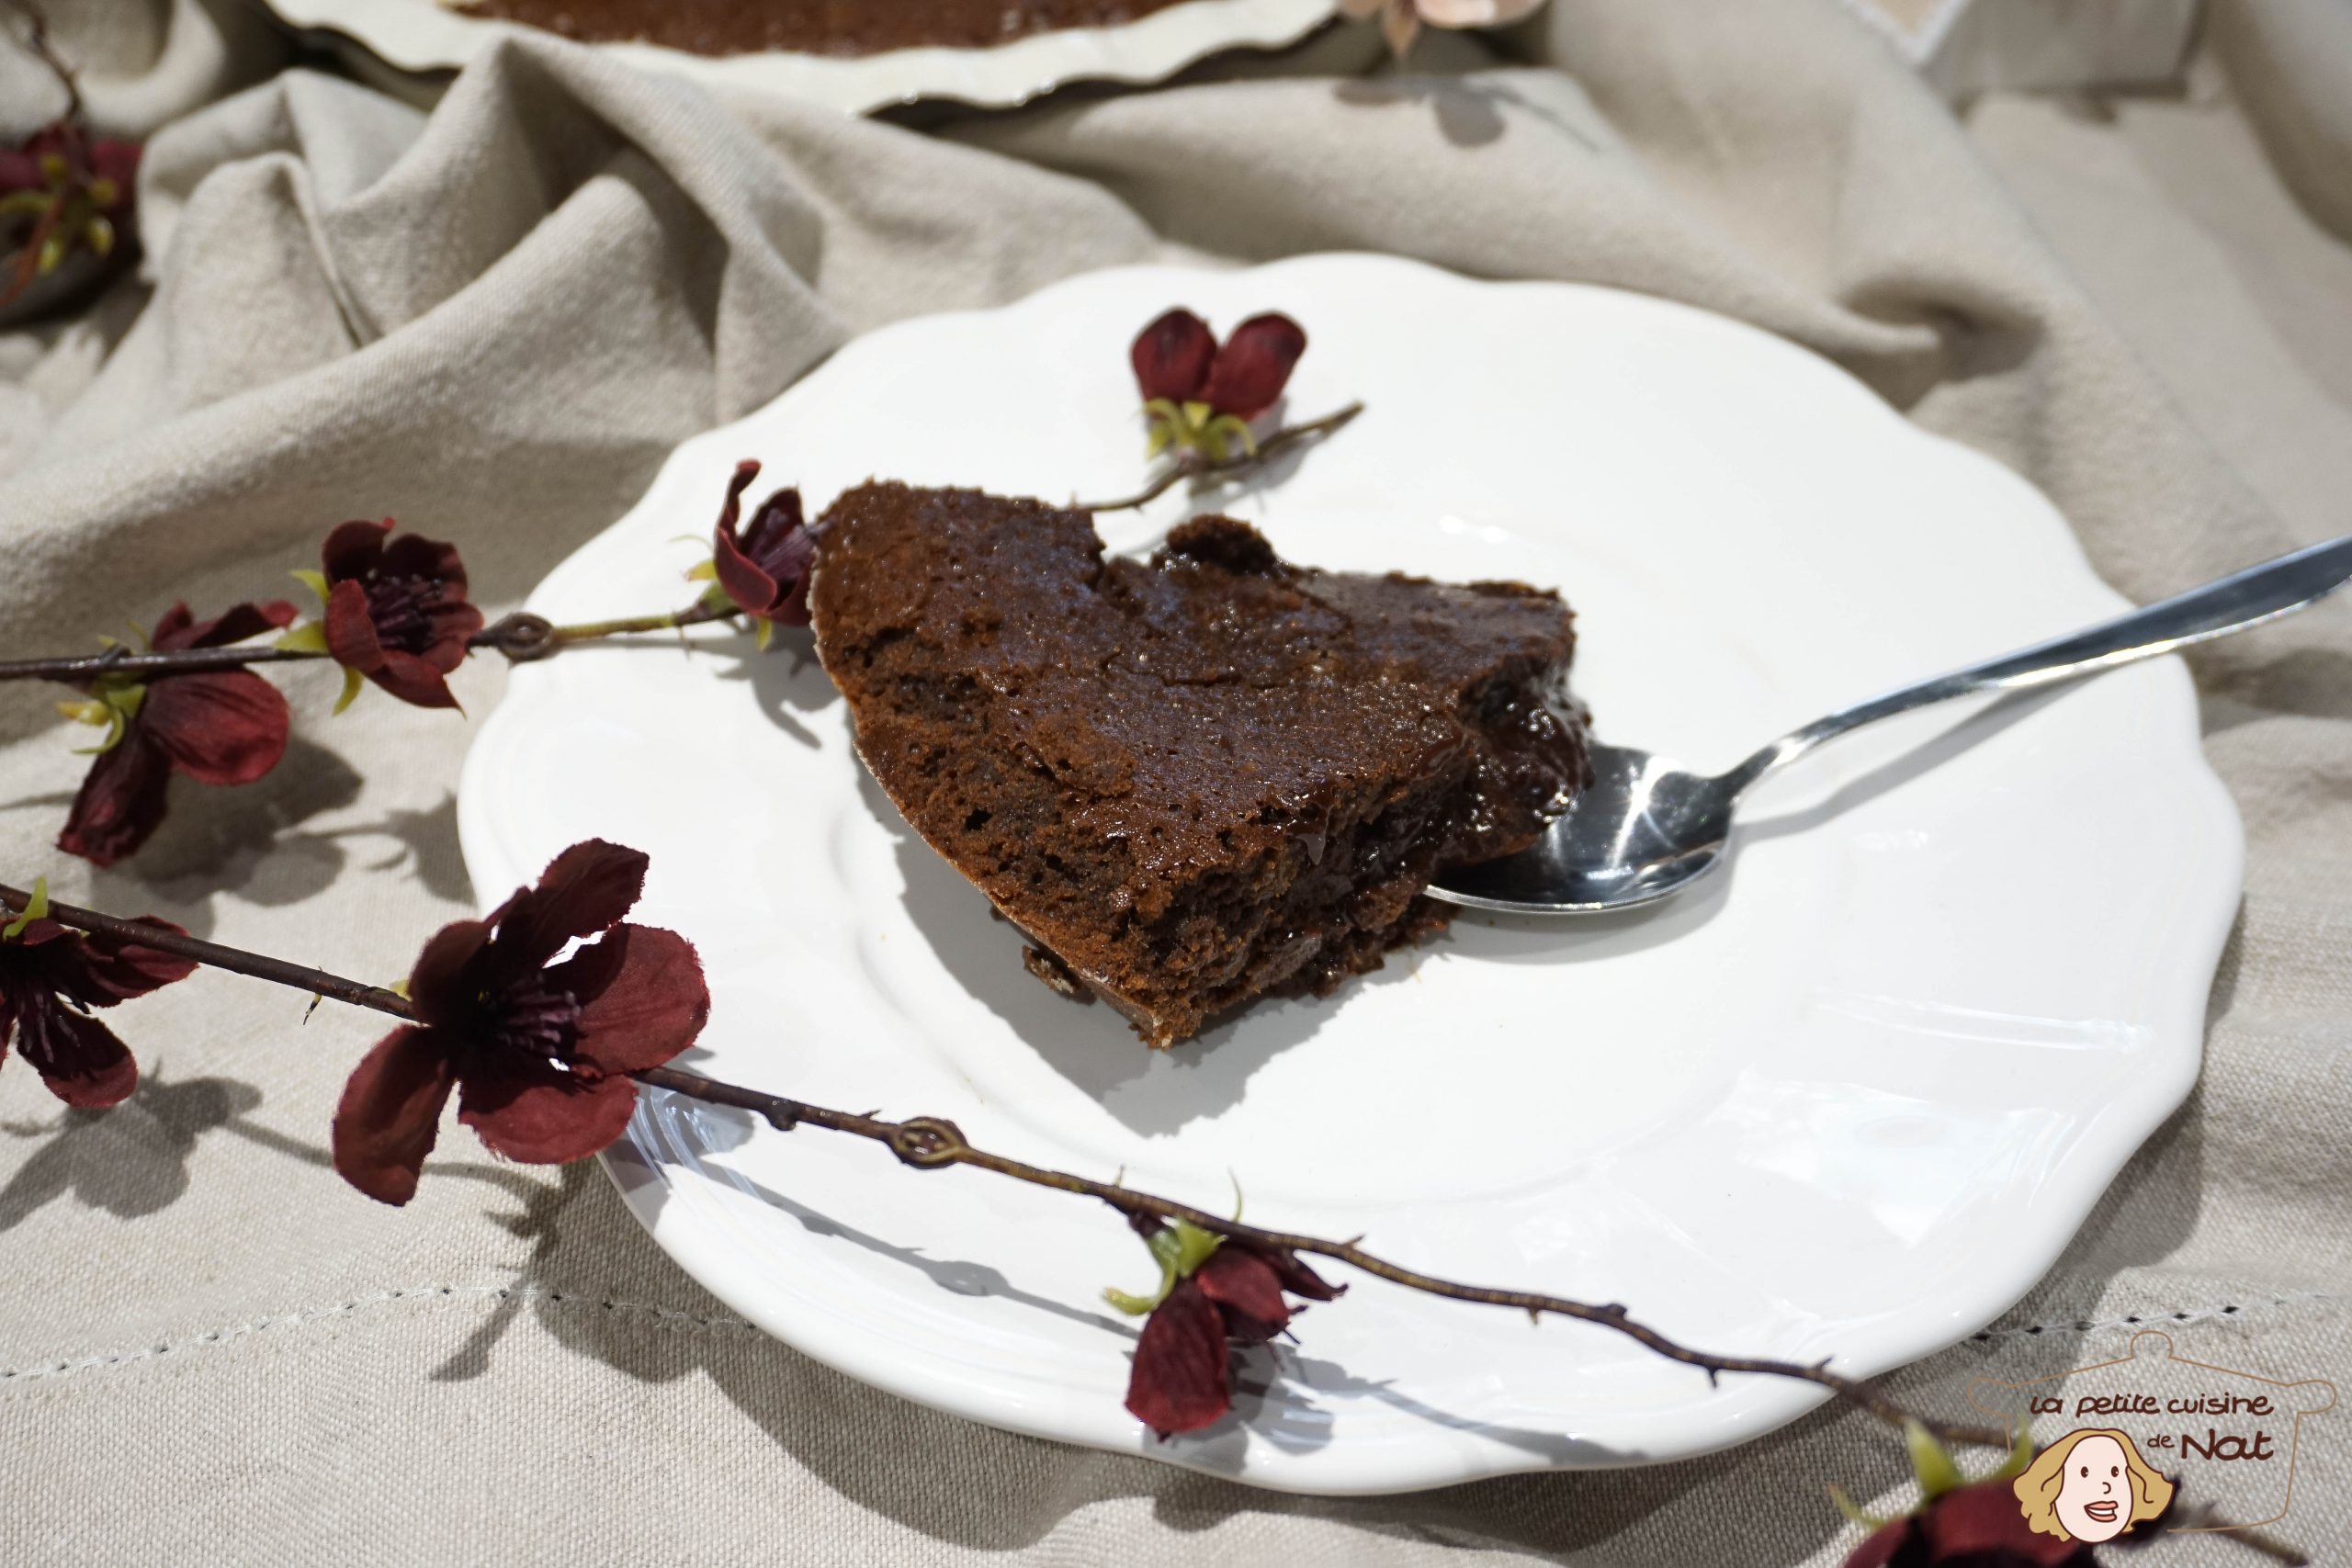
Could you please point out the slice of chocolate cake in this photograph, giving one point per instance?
(1198, 779)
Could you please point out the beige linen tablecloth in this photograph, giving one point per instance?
(493, 323)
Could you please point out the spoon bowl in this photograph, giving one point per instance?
(1645, 828)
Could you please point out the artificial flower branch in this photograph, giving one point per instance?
(1193, 466)
(1202, 398)
(63, 189)
(931, 1143)
(212, 954)
(521, 637)
(395, 611)
(120, 659)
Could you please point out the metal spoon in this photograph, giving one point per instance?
(1643, 829)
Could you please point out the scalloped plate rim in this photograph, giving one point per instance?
(1742, 1409)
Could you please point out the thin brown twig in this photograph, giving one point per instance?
(37, 40)
(1183, 468)
(520, 636)
(235, 959)
(79, 669)
(523, 637)
(931, 1143)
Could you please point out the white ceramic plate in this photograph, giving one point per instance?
(423, 35)
(1849, 1100)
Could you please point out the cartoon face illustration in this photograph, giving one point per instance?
(2090, 1486)
(2094, 1491)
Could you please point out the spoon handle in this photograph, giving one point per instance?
(2245, 599)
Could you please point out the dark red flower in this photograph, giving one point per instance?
(1182, 1378)
(50, 976)
(85, 158)
(1177, 360)
(218, 726)
(396, 611)
(103, 161)
(117, 162)
(1172, 356)
(538, 1052)
(64, 190)
(1977, 1526)
(764, 569)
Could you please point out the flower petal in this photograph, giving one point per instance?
(19, 170)
(351, 629)
(390, 1113)
(1171, 357)
(1982, 1524)
(791, 561)
(1880, 1548)
(111, 159)
(224, 726)
(585, 890)
(531, 1112)
(412, 679)
(1301, 1281)
(40, 932)
(454, 624)
(737, 483)
(61, 137)
(767, 576)
(643, 994)
(177, 631)
(793, 609)
(1254, 366)
(79, 1058)
(99, 969)
(778, 519)
(438, 982)
(765, 571)
(353, 549)
(1240, 1282)
(1183, 1379)
(413, 555)
(753, 591)
(121, 801)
